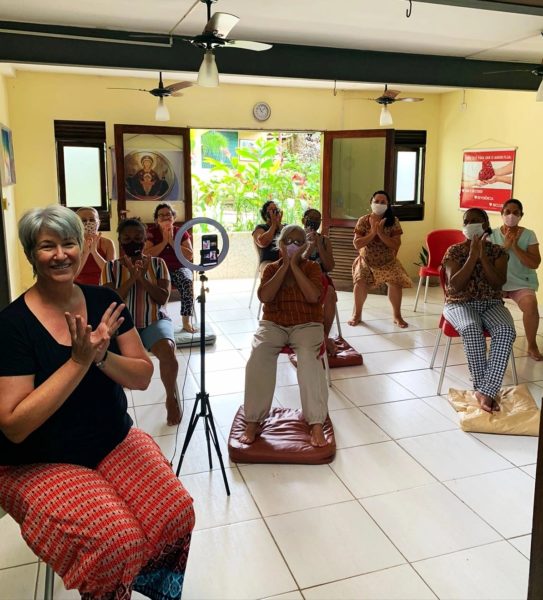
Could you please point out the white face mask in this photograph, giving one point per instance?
(511, 220)
(378, 209)
(472, 230)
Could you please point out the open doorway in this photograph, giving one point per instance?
(234, 172)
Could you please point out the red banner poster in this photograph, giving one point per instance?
(487, 178)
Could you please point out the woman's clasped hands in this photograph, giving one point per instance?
(90, 346)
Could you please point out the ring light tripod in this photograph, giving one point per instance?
(202, 407)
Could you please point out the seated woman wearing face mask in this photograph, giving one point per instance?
(524, 258)
(475, 271)
(291, 295)
(97, 250)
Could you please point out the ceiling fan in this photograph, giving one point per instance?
(214, 36)
(538, 72)
(161, 91)
(389, 97)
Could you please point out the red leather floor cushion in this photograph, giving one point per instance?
(346, 356)
(284, 438)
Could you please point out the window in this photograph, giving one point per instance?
(81, 151)
(409, 152)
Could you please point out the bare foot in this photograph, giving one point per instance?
(487, 403)
(354, 320)
(173, 414)
(188, 327)
(250, 433)
(331, 347)
(317, 435)
(534, 353)
(400, 322)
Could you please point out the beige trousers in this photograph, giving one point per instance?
(260, 374)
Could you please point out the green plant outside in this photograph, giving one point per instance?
(235, 193)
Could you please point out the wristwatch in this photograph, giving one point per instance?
(101, 364)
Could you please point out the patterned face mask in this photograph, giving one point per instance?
(90, 227)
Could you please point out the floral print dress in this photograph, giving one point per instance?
(377, 263)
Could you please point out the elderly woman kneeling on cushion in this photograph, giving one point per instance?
(290, 291)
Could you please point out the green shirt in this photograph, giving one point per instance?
(518, 276)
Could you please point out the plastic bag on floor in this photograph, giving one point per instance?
(518, 414)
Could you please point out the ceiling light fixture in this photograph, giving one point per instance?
(162, 113)
(386, 118)
(208, 75)
(539, 95)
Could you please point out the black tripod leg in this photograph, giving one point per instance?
(210, 459)
(192, 426)
(211, 425)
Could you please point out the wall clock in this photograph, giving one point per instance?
(261, 111)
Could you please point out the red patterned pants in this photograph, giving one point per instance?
(104, 530)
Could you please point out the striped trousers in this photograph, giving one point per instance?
(124, 525)
(471, 319)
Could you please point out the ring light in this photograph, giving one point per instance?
(179, 237)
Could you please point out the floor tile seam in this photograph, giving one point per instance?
(407, 436)
(472, 510)
(473, 437)
(23, 564)
(313, 587)
(427, 402)
(473, 547)
(266, 525)
(367, 514)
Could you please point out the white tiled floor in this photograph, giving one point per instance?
(411, 507)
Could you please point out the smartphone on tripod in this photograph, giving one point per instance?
(209, 254)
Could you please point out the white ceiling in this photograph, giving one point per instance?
(379, 25)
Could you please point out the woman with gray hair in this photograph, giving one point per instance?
(95, 497)
(290, 292)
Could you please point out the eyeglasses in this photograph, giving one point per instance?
(296, 242)
(165, 215)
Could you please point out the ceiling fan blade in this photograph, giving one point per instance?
(247, 45)
(180, 85)
(508, 71)
(221, 24)
(390, 94)
(409, 99)
(176, 95)
(123, 88)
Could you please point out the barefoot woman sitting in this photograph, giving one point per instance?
(290, 292)
(475, 272)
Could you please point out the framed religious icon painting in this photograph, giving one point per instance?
(152, 165)
(7, 159)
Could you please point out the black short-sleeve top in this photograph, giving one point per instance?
(271, 251)
(93, 419)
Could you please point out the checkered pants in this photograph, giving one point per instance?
(471, 319)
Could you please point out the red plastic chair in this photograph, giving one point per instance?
(450, 332)
(437, 243)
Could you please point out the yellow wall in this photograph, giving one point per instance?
(8, 204)
(492, 119)
(37, 99)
